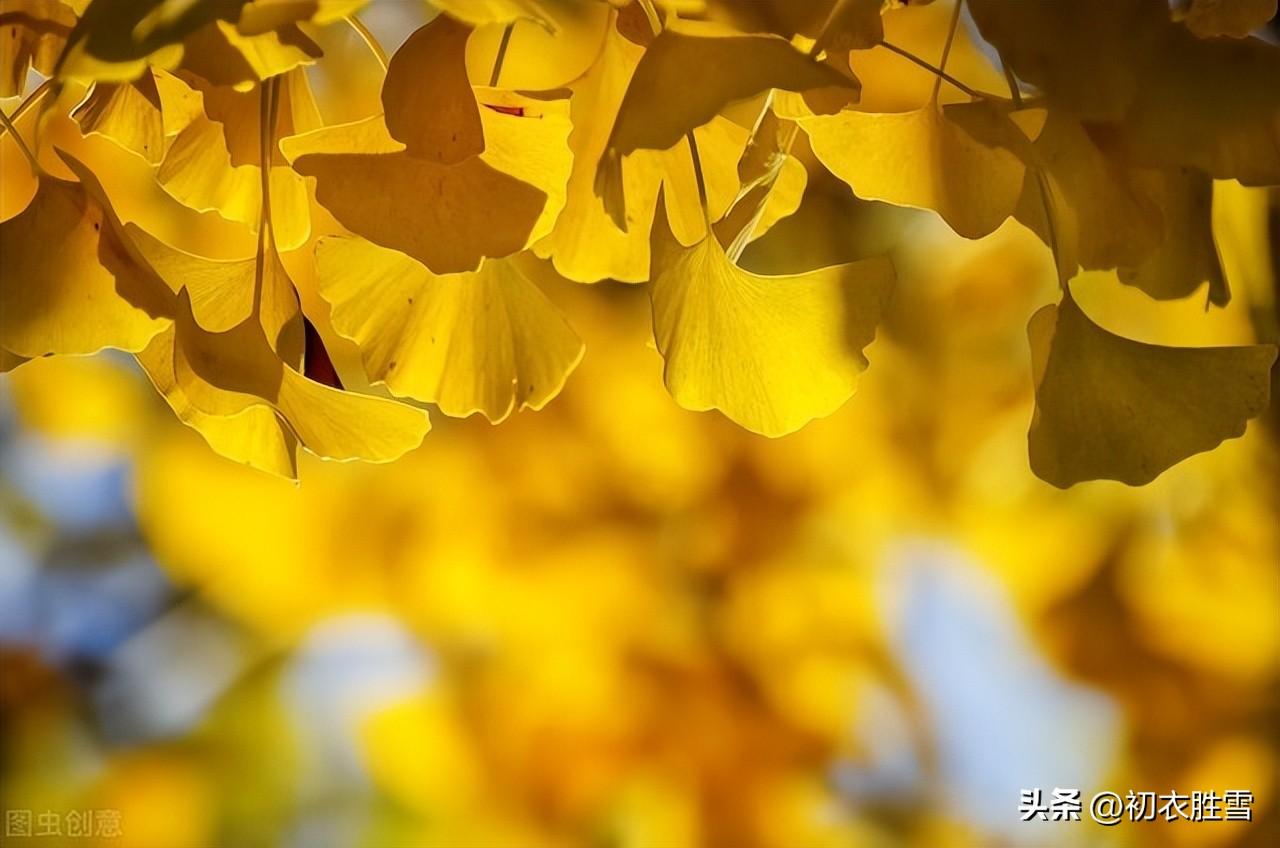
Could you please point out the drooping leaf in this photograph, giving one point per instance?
(429, 105)
(220, 54)
(224, 374)
(1110, 408)
(1186, 256)
(1173, 100)
(484, 341)
(449, 217)
(1104, 214)
(586, 244)
(225, 293)
(256, 436)
(771, 353)
(129, 114)
(660, 105)
(69, 286)
(215, 162)
(972, 185)
(116, 40)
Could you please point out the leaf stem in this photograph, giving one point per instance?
(655, 23)
(17, 139)
(501, 55)
(933, 69)
(698, 177)
(946, 49)
(1042, 184)
(1014, 90)
(743, 238)
(375, 47)
(7, 126)
(268, 92)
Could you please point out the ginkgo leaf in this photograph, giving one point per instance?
(228, 373)
(771, 353)
(660, 105)
(1236, 18)
(1110, 408)
(69, 286)
(972, 185)
(1174, 100)
(1104, 215)
(476, 208)
(586, 244)
(116, 40)
(225, 293)
(130, 114)
(1186, 256)
(539, 58)
(256, 436)
(220, 54)
(427, 96)
(215, 162)
(485, 341)
(33, 34)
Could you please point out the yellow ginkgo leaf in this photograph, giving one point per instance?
(1186, 256)
(215, 162)
(586, 244)
(69, 286)
(256, 436)
(129, 113)
(427, 96)
(538, 58)
(230, 372)
(972, 185)
(1110, 408)
(771, 353)
(528, 138)
(660, 105)
(1104, 216)
(117, 40)
(448, 217)
(222, 55)
(485, 341)
(32, 35)
(225, 293)
(1208, 104)
(1174, 100)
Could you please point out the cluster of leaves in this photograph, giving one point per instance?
(418, 232)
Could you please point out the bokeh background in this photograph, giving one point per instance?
(618, 624)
